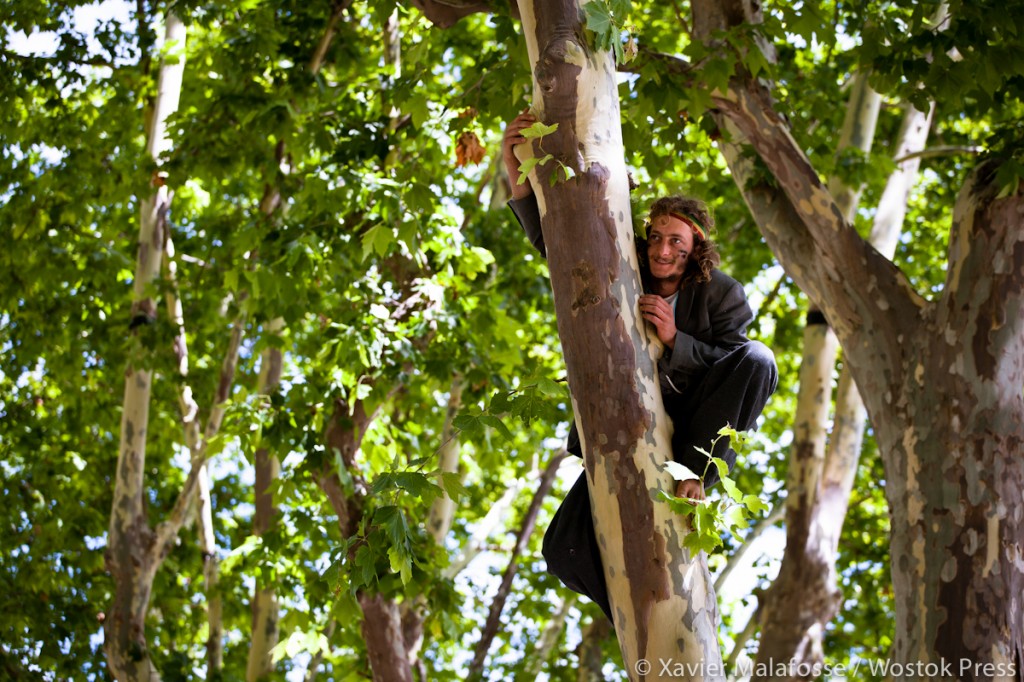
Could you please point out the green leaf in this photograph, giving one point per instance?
(680, 472)
(392, 520)
(736, 518)
(537, 131)
(377, 240)
(400, 564)
(526, 166)
(731, 490)
(451, 482)
(754, 504)
(720, 464)
(599, 20)
(498, 425)
(417, 485)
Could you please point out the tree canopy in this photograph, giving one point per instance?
(336, 194)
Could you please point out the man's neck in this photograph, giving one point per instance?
(665, 287)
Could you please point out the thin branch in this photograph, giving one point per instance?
(493, 623)
(674, 65)
(681, 18)
(744, 637)
(325, 42)
(168, 529)
(478, 543)
(946, 150)
(773, 518)
(57, 61)
(314, 664)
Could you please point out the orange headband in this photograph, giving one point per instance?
(692, 222)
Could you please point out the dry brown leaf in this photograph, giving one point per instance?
(468, 149)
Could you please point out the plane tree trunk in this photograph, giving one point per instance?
(662, 599)
(941, 382)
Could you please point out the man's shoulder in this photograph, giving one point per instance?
(721, 281)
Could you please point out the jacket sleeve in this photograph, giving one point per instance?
(690, 358)
(528, 214)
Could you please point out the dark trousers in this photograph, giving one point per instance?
(734, 391)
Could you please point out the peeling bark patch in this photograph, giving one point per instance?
(643, 548)
(584, 289)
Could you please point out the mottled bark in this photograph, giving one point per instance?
(804, 595)
(493, 622)
(265, 627)
(382, 631)
(661, 598)
(134, 551)
(941, 382)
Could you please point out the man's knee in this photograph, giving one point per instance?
(760, 360)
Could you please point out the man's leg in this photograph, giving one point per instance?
(734, 392)
(570, 547)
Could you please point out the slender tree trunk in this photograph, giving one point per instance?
(211, 577)
(439, 520)
(265, 627)
(130, 555)
(193, 439)
(662, 600)
(591, 651)
(493, 623)
(804, 593)
(442, 511)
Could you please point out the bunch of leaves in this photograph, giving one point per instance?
(538, 131)
(709, 516)
(606, 20)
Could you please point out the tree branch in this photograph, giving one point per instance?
(774, 516)
(547, 480)
(943, 150)
(445, 13)
(325, 42)
(167, 531)
(56, 61)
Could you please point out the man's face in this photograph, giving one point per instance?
(669, 244)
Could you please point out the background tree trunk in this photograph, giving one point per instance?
(265, 627)
(941, 382)
(804, 597)
(130, 555)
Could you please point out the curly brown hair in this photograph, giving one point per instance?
(705, 257)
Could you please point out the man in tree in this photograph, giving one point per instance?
(710, 374)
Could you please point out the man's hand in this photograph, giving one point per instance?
(658, 312)
(691, 488)
(513, 136)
